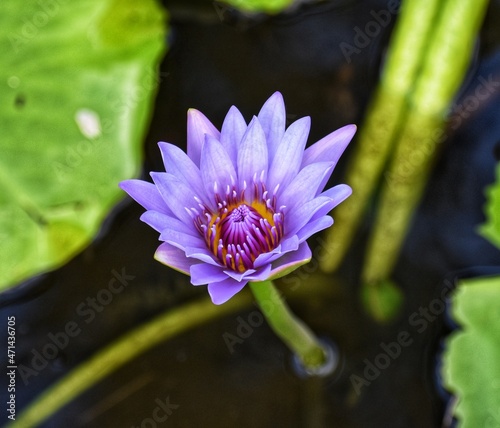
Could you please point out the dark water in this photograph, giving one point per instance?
(219, 58)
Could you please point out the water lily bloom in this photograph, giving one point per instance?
(240, 205)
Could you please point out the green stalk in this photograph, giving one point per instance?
(165, 326)
(296, 335)
(386, 112)
(443, 71)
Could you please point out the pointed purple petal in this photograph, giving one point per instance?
(216, 167)
(304, 213)
(202, 254)
(173, 257)
(202, 274)
(238, 276)
(291, 261)
(286, 163)
(252, 154)
(181, 240)
(304, 186)
(269, 257)
(159, 222)
(179, 164)
(329, 148)
(286, 245)
(197, 126)
(221, 292)
(314, 227)
(289, 244)
(176, 194)
(145, 194)
(261, 274)
(337, 194)
(272, 117)
(233, 129)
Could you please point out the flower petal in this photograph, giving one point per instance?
(238, 276)
(220, 292)
(216, 167)
(233, 129)
(338, 193)
(176, 194)
(304, 186)
(304, 213)
(145, 194)
(202, 254)
(291, 261)
(173, 257)
(286, 245)
(180, 240)
(272, 117)
(179, 164)
(197, 126)
(202, 274)
(286, 163)
(252, 154)
(159, 222)
(261, 274)
(329, 148)
(314, 227)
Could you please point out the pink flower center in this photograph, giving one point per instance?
(239, 231)
(240, 226)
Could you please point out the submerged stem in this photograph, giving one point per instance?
(386, 115)
(296, 335)
(445, 66)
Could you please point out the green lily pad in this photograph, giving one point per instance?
(471, 362)
(77, 84)
(491, 229)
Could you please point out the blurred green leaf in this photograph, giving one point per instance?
(491, 229)
(382, 300)
(265, 6)
(77, 81)
(471, 363)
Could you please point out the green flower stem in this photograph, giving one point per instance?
(386, 113)
(442, 74)
(165, 326)
(296, 335)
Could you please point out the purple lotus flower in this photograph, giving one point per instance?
(242, 202)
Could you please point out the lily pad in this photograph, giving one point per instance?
(77, 82)
(471, 365)
(491, 229)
